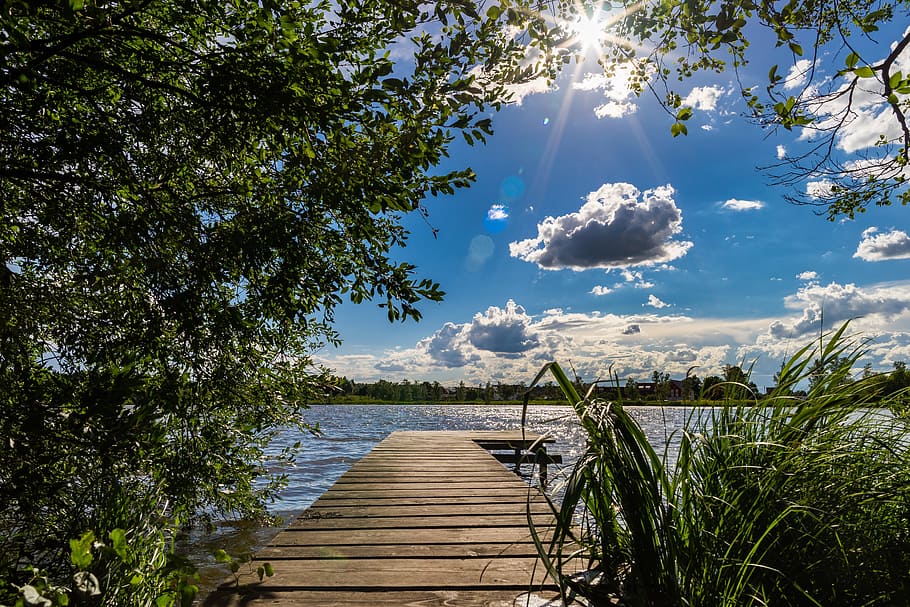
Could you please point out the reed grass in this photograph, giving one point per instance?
(784, 502)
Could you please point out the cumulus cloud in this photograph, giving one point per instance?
(781, 152)
(617, 88)
(498, 212)
(704, 97)
(820, 189)
(808, 275)
(887, 245)
(601, 290)
(743, 205)
(798, 74)
(863, 116)
(447, 346)
(515, 93)
(617, 227)
(502, 330)
(836, 303)
(630, 276)
(654, 302)
(518, 92)
(595, 341)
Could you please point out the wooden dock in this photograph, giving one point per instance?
(425, 519)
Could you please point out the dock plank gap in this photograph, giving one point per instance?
(425, 519)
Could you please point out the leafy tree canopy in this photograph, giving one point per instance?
(189, 188)
(842, 79)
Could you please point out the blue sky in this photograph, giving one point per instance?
(681, 252)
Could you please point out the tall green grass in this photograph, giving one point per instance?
(785, 502)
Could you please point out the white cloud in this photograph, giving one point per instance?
(621, 100)
(743, 205)
(863, 116)
(502, 330)
(515, 93)
(781, 152)
(808, 275)
(704, 97)
(518, 92)
(798, 74)
(887, 245)
(819, 189)
(498, 212)
(601, 290)
(617, 227)
(447, 346)
(836, 303)
(615, 109)
(644, 285)
(512, 345)
(654, 302)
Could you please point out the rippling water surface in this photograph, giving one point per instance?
(348, 432)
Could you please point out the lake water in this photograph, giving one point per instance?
(350, 431)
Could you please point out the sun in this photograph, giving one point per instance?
(588, 30)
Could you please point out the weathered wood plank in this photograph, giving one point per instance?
(456, 535)
(395, 598)
(404, 573)
(408, 509)
(398, 551)
(380, 493)
(420, 522)
(425, 519)
(335, 501)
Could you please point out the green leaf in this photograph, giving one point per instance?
(269, 571)
(852, 60)
(678, 128)
(864, 72)
(81, 551)
(118, 543)
(684, 114)
(221, 556)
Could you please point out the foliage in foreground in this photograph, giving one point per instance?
(794, 502)
(188, 189)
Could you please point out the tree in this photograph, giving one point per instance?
(738, 384)
(630, 391)
(661, 385)
(691, 387)
(830, 372)
(189, 189)
(897, 380)
(843, 68)
(712, 388)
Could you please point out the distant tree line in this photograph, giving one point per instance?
(733, 383)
